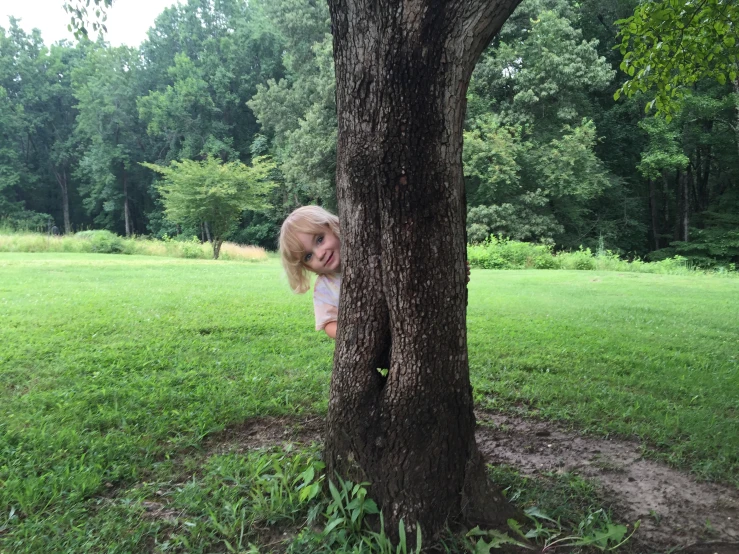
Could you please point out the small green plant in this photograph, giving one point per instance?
(348, 507)
(381, 543)
(238, 494)
(596, 530)
(347, 528)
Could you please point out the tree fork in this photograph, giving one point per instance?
(402, 71)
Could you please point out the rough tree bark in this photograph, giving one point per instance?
(402, 71)
(61, 179)
(736, 99)
(126, 212)
(654, 209)
(685, 219)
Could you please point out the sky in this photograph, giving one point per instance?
(128, 20)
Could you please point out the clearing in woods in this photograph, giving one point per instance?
(113, 366)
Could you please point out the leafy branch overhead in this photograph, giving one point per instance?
(668, 46)
(80, 16)
(212, 193)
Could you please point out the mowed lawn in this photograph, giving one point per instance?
(112, 365)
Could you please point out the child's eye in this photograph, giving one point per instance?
(307, 258)
(319, 239)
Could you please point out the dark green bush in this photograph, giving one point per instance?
(104, 242)
(500, 253)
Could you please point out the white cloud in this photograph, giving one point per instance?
(128, 20)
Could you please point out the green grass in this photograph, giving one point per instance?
(114, 368)
(650, 356)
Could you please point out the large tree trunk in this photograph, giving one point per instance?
(666, 200)
(216, 244)
(126, 212)
(687, 178)
(402, 70)
(61, 178)
(678, 193)
(736, 99)
(654, 209)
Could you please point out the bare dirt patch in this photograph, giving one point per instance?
(675, 510)
(262, 432)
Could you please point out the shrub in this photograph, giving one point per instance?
(582, 259)
(676, 264)
(501, 253)
(548, 261)
(103, 242)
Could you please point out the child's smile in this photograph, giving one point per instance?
(321, 252)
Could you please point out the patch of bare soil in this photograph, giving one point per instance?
(677, 513)
(261, 432)
(675, 510)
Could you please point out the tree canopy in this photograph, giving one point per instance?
(548, 155)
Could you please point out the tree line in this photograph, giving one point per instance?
(549, 155)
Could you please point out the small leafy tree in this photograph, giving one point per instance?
(213, 194)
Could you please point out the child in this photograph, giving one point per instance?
(310, 242)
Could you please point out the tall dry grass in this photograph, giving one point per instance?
(233, 251)
(109, 243)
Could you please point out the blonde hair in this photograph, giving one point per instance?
(312, 220)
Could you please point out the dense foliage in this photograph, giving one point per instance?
(549, 156)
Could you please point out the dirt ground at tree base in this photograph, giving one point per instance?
(677, 512)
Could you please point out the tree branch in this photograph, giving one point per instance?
(480, 22)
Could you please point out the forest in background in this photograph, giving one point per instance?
(549, 156)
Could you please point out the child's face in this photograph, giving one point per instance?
(321, 252)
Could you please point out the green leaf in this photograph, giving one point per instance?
(535, 512)
(333, 524)
(334, 492)
(401, 531)
(370, 507)
(482, 547)
(516, 527)
(308, 474)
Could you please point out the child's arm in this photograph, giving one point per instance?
(326, 304)
(330, 329)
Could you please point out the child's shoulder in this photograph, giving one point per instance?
(327, 281)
